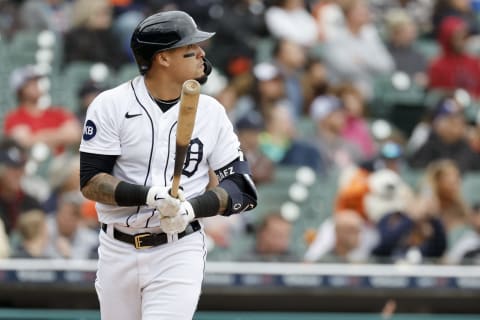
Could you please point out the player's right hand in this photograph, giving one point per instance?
(178, 222)
(159, 198)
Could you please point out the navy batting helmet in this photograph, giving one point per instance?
(162, 31)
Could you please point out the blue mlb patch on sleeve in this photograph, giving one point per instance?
(90, 130)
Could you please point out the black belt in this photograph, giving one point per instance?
(146, 239)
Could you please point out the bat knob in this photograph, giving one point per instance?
(191, 87)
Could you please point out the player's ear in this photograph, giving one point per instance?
(163, 59)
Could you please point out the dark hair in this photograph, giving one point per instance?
(274, 215)
(476, 207)
(12, 153)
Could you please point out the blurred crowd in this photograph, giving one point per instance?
(305, 83)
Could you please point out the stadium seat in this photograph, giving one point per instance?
(264, 50)
(285, 174)
(317, 51)
(428, 47)
(7, 99)
(470, 187)
(70, 81)
(318, 206)
(379, 106)
(402, 107)
(58, 53)
(433, 96)
(3, 53)
(125, 73)
(272, 195)
(22, 49)
(306, 127)
(320, 203)
(67, 83)
(413, 177)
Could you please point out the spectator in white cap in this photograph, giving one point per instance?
(22, 77)
(268, 89)
(329, 116)
(33, 122)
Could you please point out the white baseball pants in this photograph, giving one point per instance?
(161, 283)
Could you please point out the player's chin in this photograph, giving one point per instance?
(201, 76)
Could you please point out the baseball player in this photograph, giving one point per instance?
(152, 247)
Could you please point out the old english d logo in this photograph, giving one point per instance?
(193, 158)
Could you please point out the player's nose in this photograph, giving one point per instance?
(200, 52)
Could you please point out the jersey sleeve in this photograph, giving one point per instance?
(101, 128)
(227, 147)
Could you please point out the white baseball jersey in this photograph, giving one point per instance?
(127, 122)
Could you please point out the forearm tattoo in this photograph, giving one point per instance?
(222, 197)
(101, 188)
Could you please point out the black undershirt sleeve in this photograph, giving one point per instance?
(129, 194)
(92, 164)
(205, 205)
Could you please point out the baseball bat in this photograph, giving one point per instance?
(186, 122)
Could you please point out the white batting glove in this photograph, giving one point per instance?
(179, 222)
(159, 198)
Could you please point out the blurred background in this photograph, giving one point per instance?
(360, 120)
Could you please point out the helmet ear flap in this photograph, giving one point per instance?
(207, 69)
(143, 64)
(207, 66)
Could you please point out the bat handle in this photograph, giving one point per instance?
(175, 186)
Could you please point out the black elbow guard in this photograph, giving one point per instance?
(235, 179)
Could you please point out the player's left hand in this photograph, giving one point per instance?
(171, 206)
(160, 198)
(178, 222)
